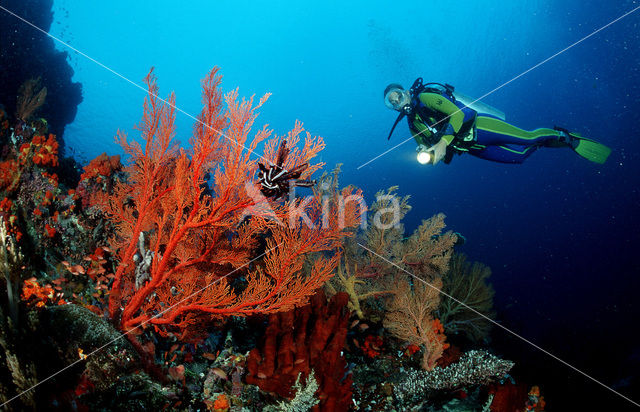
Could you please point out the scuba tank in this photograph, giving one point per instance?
(478, 106)
(473, 104)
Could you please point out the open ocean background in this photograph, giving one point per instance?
(560, 234)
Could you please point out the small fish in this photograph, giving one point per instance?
(220, 373)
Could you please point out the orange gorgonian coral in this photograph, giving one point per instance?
(187, 247)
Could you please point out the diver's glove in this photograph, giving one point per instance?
(438, 151)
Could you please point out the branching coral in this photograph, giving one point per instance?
(202, 234)
(409, 317)
(305, 399)
(407, 271)
(472, 304)
(426, 253)
(385, 231)
(362, 274)
(30, 97)
(387, 255)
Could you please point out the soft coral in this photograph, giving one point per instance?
(178, 239)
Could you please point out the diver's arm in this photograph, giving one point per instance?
(455, 117)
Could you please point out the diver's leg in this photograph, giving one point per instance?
(504, 154)
(495, 132)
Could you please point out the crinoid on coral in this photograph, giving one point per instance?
(276, 180)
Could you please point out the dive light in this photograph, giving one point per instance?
(424, 156)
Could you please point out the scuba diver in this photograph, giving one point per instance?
(444, 123)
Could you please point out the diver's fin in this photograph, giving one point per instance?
(587, 148)
(591, 150)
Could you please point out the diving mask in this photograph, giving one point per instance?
(396, 98)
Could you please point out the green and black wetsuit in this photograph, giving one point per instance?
(486, 136)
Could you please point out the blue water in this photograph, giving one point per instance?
(560, 234)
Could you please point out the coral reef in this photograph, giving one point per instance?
(214, 270)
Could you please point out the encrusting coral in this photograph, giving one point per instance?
(475, 367)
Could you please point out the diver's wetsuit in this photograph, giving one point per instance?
(481, 135)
